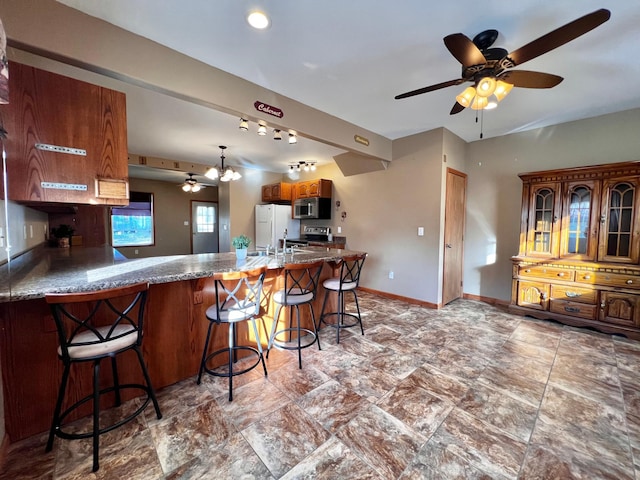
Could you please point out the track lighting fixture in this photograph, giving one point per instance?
(262, 130)
(244, 125)
(302, 165)
(277, 135)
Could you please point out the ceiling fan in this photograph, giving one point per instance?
(191, 185)
(490, 68)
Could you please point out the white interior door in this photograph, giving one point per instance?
(204, 227)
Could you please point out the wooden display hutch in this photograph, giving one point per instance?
(579, 248)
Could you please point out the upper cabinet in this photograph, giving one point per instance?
(590, 213)
(313, 188)
(66, 140)
(276, 193)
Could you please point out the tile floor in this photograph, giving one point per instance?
(466, 392)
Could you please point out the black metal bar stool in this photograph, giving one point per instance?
(237, 300)
(300, 286)
(93, 326)
(347, 281)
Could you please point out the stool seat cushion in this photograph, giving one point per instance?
(334, 284)
(296, 296)
(235, 314)
(101, 347)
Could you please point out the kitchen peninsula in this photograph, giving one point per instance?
(181, 289)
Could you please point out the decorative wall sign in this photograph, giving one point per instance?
(263, 107)
(362, 140)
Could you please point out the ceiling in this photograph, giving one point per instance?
(349, 59)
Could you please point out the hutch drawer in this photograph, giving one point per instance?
(574, 309)
(574, 294)
(544, 271)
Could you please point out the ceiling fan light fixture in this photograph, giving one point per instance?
(466, 97)
(486, 86)
(491, 105)
(186, 187)
(479, 103)
(502, 89)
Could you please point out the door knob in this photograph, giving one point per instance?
(448, 245)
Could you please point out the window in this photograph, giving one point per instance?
(205, 219)
(132, 226)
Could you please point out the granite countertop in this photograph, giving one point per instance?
(76, 269)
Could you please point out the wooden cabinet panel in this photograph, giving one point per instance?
(580, 220)
(313, 188)
(620, 229)
(543, 271)
(67, 140)
(544, 226)
(574, 309)
(277, 193)
(533, 295)
(620, 308)
(574, 293)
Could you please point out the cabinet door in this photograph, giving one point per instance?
(67, 142)
(619, 236)
(579, 230)
(266, 193)
(620, 308)
(533, 295)
(302, 190)
(543, 226)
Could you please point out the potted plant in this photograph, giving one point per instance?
(63, 234)
(241, 243)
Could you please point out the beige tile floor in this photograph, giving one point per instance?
(465, 392)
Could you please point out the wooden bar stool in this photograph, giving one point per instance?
(237, 300)
(93, 326)
(347, 281)
(300, 286)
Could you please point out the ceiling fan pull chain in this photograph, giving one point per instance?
(481, 122)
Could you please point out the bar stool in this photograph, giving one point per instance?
(347, 281)
(237, 300)
(300, 286)
(93, 326)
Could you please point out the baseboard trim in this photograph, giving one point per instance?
(400, 298)
(467, 296)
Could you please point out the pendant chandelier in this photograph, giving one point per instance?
(223, 174)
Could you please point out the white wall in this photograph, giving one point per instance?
(494, 188)
(22, 219)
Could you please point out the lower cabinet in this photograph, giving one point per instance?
(603, 297)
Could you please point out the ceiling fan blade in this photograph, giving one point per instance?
(528, 79)
(430, 88)
(457, 108)
(464, 50)
(559, 36)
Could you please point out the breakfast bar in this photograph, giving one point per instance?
(181, 289)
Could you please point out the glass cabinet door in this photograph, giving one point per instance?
(579, 237)
(618, 221)
(543, 220)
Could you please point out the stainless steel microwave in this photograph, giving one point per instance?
(314, 207)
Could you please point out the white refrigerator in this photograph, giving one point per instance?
(271, 220)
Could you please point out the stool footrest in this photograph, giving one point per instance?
(230, 351)
(59, 432)
(340, 325)
(287, 345)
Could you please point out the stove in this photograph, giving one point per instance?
(310, 234)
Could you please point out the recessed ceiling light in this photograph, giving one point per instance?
(258, 20)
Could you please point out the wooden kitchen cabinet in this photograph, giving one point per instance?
(580, 246)
(66, 141)
(313, 188)
(276, 193)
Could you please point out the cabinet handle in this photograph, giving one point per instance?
(543, 296)
(561, 274)
(602, 305)
(571, 309)
(587, 277)
(572, 294)
(602, 219)
(527, 270)
(629, 282)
